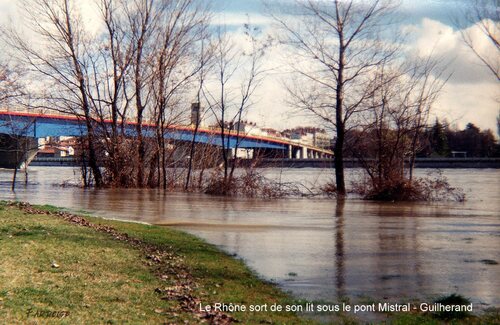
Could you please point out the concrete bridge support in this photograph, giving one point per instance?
(303, 153)
(16, 150)
(295, 152)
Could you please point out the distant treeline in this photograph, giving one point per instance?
(442, 141)
(438, 140)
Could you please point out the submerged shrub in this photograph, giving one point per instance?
(249, 184)
(439, 189)
(402, 190)
(217, 185)
(429, 188)
(452, 300)
(329, 188)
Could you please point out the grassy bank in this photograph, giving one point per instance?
(58, 270)
(56, 267)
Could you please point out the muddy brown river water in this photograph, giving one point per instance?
(316, 248)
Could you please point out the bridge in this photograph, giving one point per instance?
(36, 125)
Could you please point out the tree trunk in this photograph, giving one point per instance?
(140, 152)
(93, 157)
(339, 121)
(192, 152)
(339, 161)
(152, 170)
(13, 187)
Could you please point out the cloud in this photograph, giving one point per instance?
(239, 19)
(472, 94)
(442, 41)
(477, 103)
(7, 9)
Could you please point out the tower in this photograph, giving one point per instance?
(195, 113)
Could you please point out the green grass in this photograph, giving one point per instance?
(98, 279)
(102, 280)
(222, 279)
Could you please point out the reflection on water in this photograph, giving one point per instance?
(317, 248)
(339, 249)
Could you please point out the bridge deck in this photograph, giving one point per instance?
(43, 125)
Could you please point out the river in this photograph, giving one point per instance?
(365, 251)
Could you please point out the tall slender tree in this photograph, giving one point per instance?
(238, 72)
(59, 55)
(338, 44)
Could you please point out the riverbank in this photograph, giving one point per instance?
(60, 267)
(468, 163)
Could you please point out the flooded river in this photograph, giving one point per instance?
(315, 248)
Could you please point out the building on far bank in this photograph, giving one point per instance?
(270, 132)
(61, 147)
(311, 136)
(244, 127)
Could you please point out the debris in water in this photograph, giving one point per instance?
(489, 262)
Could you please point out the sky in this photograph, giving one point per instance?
(471, 95)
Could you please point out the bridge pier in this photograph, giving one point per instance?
(15, 150)
(303, 153)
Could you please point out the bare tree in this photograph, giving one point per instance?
(16, 146)
(396, 118)
(338, 44)
(486, 15)
(176, 65)
(151, 49)
(136, 67)
(59, 56)
(238, 73)
(143, 17)
(110, 59)
(196, 111)
(252, 80)
(10, 87)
